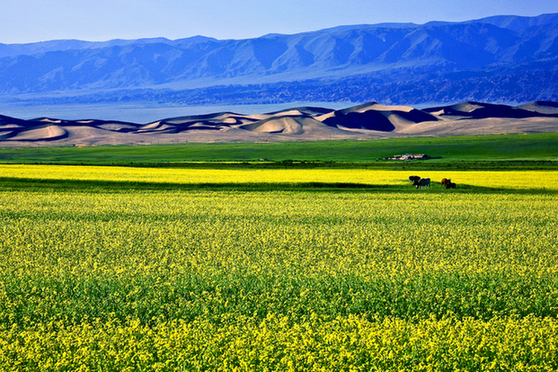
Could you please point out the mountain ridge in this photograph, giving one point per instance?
(503, 21)
(491, 49)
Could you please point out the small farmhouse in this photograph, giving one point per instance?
(409, 157)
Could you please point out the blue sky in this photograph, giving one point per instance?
(23, 21)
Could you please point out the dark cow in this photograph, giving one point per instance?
(423, 182)
(413, 179)
(446, 182)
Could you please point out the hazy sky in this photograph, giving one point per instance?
(23, 21)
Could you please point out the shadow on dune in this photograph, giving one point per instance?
(371, 120)
(369, 117)
(478, 110)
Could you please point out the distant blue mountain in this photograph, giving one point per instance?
(502, 58)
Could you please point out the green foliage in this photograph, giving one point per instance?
(532, 150)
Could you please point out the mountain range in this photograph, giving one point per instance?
(495, 59)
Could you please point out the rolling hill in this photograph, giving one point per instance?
(371, 120)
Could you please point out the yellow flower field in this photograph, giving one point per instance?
(495, 179)
(279, 280)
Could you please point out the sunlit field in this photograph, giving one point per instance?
(526, 180)
(281, 279)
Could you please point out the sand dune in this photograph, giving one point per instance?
(219, 117)
(377, 107)
(376, 117)
(117, 127)
(467, 107)
(282, 124)
(205, 126)
(157, 126)
(541, 107)
(486, 110)
(309, 111)
(47, 133)
(483, 126)
(216, 121)
(49, 120)
(371, 120)
(10, 126)
(400, 123)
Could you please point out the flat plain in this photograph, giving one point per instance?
(279, 265)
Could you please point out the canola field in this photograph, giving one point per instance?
(281, 279)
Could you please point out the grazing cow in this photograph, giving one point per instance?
(446, 182)
(413, 179)
(423, 182)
